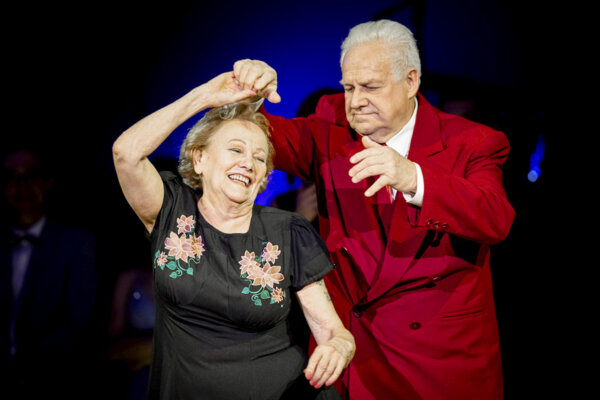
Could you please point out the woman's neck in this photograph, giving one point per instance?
(226, 217)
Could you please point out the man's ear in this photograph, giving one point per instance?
(412, 80)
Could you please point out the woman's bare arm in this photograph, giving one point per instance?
(139, 180)
(335, 344)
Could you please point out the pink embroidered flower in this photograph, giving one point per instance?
(277, 295)
(270, 253)
(254, 272)
(248, 263)
(268, 276)
(162, 259)
(180, 247)
(185, 224)
(197, 246)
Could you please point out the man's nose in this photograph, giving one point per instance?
(357, 99)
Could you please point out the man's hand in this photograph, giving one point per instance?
(392, 169)
(257, 76)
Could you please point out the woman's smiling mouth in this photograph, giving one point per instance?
(245, 181)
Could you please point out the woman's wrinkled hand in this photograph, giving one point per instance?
(328, 361)
(225, 89)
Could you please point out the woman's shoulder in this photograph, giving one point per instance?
(282, 219)
(277, 214)
(174, 183)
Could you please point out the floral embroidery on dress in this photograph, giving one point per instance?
(259, 272)
(185, 248)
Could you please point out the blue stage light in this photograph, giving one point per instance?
(536, 159)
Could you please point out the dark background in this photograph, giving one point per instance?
(77, 76)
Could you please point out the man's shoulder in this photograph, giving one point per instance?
(331, 107)
(452, 125)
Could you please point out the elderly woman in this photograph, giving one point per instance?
(228, 273)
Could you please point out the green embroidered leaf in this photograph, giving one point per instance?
(190, 271)
(257, 302)
(246, 290)
(173, 275)
(157, 254)
(162, 267)
(172, 265)
(265, 294)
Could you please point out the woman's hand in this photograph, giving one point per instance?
(328, 361)
(335, 344)
(226, 89)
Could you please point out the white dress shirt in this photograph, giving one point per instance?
(21, 254)
(401, 143)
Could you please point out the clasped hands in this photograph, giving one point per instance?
(251, 78)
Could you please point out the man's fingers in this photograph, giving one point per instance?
(369, 143)
(380, 183)
(266, 80)
(363, 164)
(361, 155)
(273, 97)
(258, 76)
(368, 171)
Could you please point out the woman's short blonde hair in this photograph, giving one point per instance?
(200, 134)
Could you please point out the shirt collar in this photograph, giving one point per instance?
(401, 140)
(34, 230)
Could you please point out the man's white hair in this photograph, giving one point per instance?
(402, 45)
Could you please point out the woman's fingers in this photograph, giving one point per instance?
(324, 366)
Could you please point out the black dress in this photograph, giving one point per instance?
(227, 322)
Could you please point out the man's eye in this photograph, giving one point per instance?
(348, 89)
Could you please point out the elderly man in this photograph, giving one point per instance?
(410, 199)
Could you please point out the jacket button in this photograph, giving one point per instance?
(357, 314)
(415, 325)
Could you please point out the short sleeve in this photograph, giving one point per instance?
(172, 190)
(310, 254)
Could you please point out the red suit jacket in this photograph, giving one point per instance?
(412, 284)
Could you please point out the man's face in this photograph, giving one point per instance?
(377, 105)
(25, 186)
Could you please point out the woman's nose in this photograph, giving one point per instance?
(247, 162)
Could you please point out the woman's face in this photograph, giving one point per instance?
(234, 163)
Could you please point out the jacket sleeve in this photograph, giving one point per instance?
(468, 198)
(294, 144)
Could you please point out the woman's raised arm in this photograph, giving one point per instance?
(139, 180)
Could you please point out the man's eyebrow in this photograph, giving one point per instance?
(363, 83)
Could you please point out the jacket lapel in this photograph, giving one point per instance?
(363, 229)
(405, 239)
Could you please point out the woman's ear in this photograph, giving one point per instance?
(197, 157)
